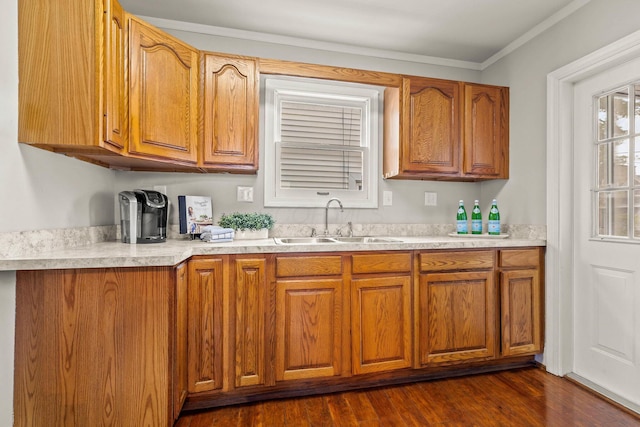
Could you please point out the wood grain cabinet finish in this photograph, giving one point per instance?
(72, 86)
(250, 298)
(231, 102)
(380, 323)
(380, 311)
(486, 131)
(163, 96)
(116, 107)
(96, 347)
(446, 130)
(181, 349)
(456, 311)
(309, 316)
(521, 301)
(431, 139)
(205, 333)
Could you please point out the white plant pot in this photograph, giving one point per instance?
(263, 233)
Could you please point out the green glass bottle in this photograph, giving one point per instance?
(461, 219)
(476, 219)
(494, 219)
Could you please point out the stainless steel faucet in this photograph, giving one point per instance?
(326, 213)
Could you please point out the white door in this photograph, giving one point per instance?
(606, 287)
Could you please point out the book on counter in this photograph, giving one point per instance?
(195, 212)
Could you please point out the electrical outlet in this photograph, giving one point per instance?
(430, 198)
(245, 194)
(387, 198)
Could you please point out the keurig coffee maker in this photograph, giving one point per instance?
(143, 216)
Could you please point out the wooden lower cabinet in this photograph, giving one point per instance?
(380, 312)
(207, 278)
(308, 316)
(131, 346)
(96, 347)
(521, 301)
(308, 328)
(456, 310)
(180, 351)
(249, 299)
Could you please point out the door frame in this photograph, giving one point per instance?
(558, 355)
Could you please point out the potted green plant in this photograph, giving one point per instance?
(251, 225)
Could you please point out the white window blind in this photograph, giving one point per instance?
(321, 146)
(321, 141)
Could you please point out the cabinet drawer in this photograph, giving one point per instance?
(308, 266)
(446, 261)
(381, 263)
(520, 258)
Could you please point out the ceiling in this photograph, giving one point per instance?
(470, 31)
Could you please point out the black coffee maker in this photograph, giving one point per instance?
(143, 216)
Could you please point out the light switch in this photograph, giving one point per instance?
(245, 194)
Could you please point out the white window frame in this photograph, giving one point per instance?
(286, 88)
(631, 187)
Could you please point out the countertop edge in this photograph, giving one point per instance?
(171, 253)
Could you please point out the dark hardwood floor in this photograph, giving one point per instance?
(524, 397)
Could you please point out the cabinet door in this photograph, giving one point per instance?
(380, 324)
(250, 298)
(116, 110)
(163, 95)
(308, 328)
(205, 324)
(486, 131)
(432, 143)
(230, 113)
(456, 317)
(521, 319)
(180, 336)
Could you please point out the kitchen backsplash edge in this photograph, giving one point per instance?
(25, 243)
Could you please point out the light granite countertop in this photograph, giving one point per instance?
(174, 251)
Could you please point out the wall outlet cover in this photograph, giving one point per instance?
(430, 198)
(387, 198)
(245, 194)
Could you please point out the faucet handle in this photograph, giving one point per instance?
(350, 225)
(313, 232)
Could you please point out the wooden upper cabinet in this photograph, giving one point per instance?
(432, 135)
(71, 76)
(446, 130)
(486, 131)
(163, 97)
(231, 102)
(116, 108)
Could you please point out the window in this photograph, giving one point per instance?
(321, 141)
(616, 195)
